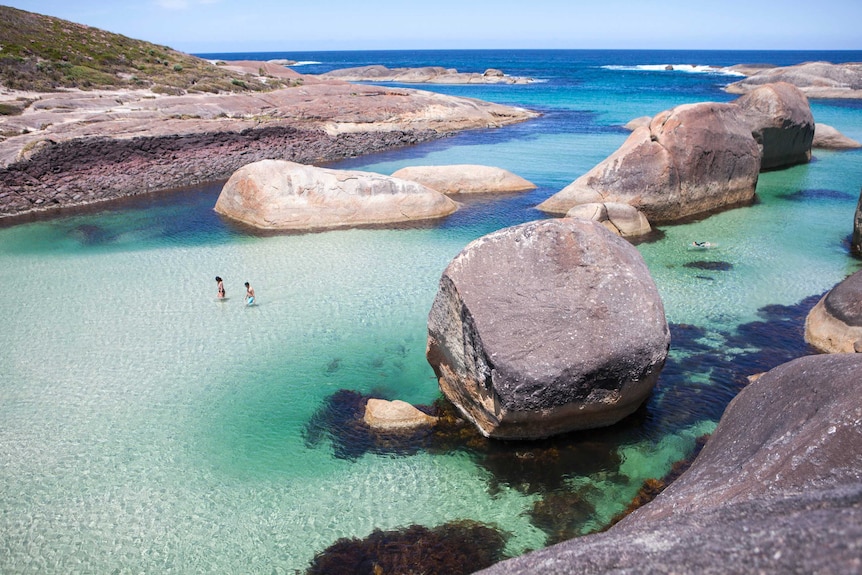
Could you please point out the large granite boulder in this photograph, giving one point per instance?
(834, 325)
(622, 219)
(692, 159)
(547, 327)
(815, 79)
(856, 239)
(828, 138)
(780, 119)
(465, 179)
(281, 195)
(777, 489)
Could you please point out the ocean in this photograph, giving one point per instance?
(147, 427)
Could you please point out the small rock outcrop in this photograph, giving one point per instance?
(856, 238)
(422, 75)
(815, 79)
(622, 219)
(384, 415)
(780, 119)
(465, 179)
(639, 122)
(828, 138)
(779, 483)
(834, 325)
(281, 195)
(547, 327)
(691, 159)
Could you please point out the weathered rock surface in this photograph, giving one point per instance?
(393, 415)
(856, 238)
(827, 137)
(282, 195)
(547, 327)
(622, 219)
(76, 148)
(465, 179)
(777, 489)
(639, 122)
(815, 79)
(423, 75)
(779, 117)
(834, 325)
(691, 159)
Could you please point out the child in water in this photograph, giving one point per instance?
(249, 294)
(220, 287)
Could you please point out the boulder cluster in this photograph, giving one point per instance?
(697, 158)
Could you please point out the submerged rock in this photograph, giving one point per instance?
(780, 119)
(622, 219)
(779, 483)
(465, 179)
(281, 195)
(393, 415)
(834, 325)
(691, 159)
(827, 137)
(547, 327)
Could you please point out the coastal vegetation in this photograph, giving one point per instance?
(40, 53)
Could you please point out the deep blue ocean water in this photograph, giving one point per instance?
(145, 427)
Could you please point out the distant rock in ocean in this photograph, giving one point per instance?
(465, 179)
(776, 489)
(815, 79)
(424, 75)
(282, 195)
(547, 327)
(834, 325)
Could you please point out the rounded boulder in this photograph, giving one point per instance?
(834, 325)
(465, 179)
(547, 327)
(282, 195)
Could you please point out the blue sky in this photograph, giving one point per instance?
(198, 26)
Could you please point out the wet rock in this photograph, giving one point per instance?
(513, 330)
(281, 195)
(393, 415)
(834, 325)
(779, 482)
(465, 179)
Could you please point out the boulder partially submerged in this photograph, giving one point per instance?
(698, 158)
(282, 195)
(779, 117)
(465, 179)
(776, 489)
(423, 75)
(547, 327)
(395, 415)
(829, 138)
(834, 325)
(815, 79)
(622, 219)
(689, 160)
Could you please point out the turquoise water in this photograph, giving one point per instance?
(147, 427)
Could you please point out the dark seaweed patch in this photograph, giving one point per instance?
(816, 195)
(455, 548)
(562, 514)
(715, 266)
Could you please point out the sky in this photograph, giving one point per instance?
(206, 26)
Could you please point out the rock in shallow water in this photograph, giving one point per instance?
(834, 325)
(547, 327)
(281, 195)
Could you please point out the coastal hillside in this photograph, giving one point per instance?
(42, 54)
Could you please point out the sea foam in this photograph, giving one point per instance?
(688, 68)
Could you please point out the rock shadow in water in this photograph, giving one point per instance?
(454, 548)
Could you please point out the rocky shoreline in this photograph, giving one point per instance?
(75, 148)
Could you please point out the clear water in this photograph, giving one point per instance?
(146, 427)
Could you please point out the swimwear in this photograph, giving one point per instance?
(250, 300)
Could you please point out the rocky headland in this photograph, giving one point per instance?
(815, 79)
(776, 489)
(423, 75)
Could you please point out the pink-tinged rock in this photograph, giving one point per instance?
(386, 415)
(829, 138)
(465, 179)
(281, 195)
